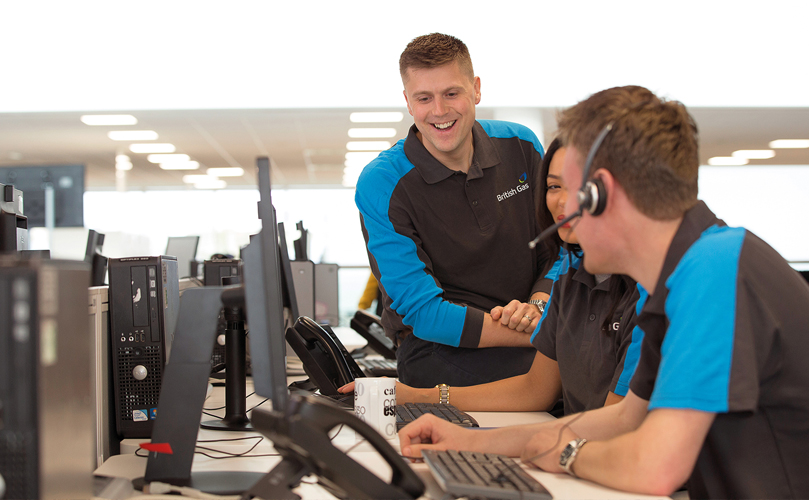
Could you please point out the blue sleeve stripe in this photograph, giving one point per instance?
(632, 356)
(697, 350)
(504, 130)
(414, 292)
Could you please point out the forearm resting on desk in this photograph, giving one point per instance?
(536, 390)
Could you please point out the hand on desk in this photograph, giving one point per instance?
(545, 446)
(431, 432)
(518, 316)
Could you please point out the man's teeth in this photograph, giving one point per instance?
(442, 126)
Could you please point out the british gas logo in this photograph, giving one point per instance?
(519, 188)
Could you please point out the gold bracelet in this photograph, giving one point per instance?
(443, 394)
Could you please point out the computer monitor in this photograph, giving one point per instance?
(51, 191)
(301, 244)
(13, 224)
(185, 249)
(287, 280)
(92, 255)
(264, 300)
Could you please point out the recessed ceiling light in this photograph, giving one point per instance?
(165, 158)
(367, 145)
(790, 144)
(360, 158)
(377, 117)
(212, 184)
(371, 133)
(132, 135)
(109, 120)
(122, 162)
(727, 160)
(194, 178)
(179, 165)
(154, 147)
(753, 154)
(226, 172)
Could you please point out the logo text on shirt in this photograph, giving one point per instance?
(519, 188)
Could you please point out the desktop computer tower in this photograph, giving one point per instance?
(144, 298)
(327, 306)
(213, 272)
(106, 436)
(46, 399)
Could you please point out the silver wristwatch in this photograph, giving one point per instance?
(540, 304)
(569, 454)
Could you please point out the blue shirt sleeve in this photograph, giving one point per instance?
(697, 350)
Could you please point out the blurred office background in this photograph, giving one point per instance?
(225, 82)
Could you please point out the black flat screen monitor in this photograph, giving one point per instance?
(92, 255)
(287, 282)
(264, 300)
(185, 249)
(61, 185)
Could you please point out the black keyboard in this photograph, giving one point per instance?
(378, 367)
(408, 412)
(486, 475)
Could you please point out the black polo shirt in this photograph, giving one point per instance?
(448, 246)
(592, 361)
(727, 332)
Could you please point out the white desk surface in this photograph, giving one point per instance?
(129, 466)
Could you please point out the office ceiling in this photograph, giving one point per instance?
(308, 146)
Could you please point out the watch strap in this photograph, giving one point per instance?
(443, 393)
(569, 455)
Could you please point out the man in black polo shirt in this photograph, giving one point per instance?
(447, 214)
(720, 397)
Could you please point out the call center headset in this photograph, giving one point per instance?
(592, 195)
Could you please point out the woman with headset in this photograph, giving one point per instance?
(587, 341)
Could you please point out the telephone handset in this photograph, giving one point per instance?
(324, 358)
(370, 327)
(301, 436)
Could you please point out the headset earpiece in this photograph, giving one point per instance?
(592, 197)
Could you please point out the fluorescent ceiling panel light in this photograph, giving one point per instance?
(195, 178)
(727, 160)
(371, 133)
(155, 147)
(361, 157)
(121, 158)
(377, 117)
(212, 184)
(790, 144)
(367, 145)
(226, 172)
(753, 154)
(132, 135)
(123, 163)
(164, 158)
(109, 120)
(180, 165)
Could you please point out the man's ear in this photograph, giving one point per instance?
(477, 90)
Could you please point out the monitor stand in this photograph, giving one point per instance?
(235, 418)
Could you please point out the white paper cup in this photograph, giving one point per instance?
(375, 403)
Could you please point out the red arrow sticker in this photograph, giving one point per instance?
(158, 447)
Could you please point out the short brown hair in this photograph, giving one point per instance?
(651, 150)
(433, 50)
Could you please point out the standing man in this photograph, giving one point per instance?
(447, 214)
(720, 397)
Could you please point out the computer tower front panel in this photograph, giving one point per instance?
(144, 296)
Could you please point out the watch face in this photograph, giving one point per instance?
(566, 454)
